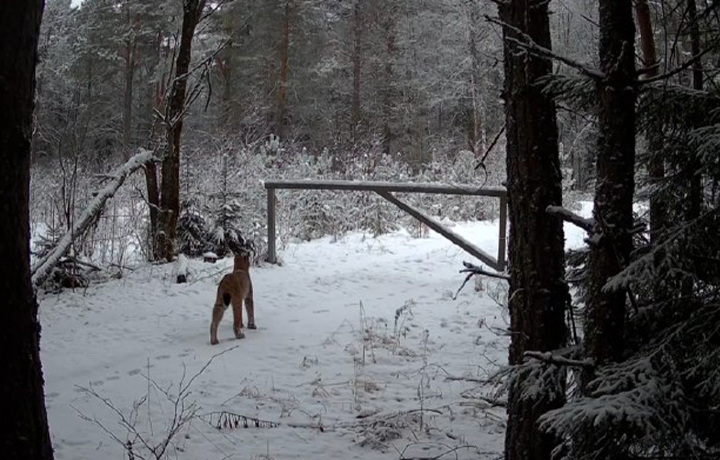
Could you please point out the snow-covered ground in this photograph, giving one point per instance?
(359, 336)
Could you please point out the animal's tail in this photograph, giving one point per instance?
(226, 298)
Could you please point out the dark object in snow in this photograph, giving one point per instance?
(181, 269)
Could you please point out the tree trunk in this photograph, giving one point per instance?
(388, 93)
(616, 93)
(695, 190)
(475, 137)
(130, 51)
(224, 65)
(153, 198)
(284, 69)
(356, 61)
(656, 165)
(127, 101)
(151, 172)
(25, 434)
(538, 294)
(695, 198)
(170, 187)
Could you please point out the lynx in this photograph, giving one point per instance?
(234, 288)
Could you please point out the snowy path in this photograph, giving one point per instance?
(305, 363)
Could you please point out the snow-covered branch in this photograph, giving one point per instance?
(43, 267)
(568, 216)
(472, 270)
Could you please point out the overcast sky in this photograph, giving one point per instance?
(76, 2)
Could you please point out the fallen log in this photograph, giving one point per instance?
(43, 268)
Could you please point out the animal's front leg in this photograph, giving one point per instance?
(237, 317)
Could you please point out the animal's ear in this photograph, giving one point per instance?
(243, 247)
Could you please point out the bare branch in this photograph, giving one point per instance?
(183, 412)
(455, 378)
(473, 270)
(529, 44)
(184, 388)
(549, 358)
(686, 65)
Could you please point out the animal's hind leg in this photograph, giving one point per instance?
(250, 307)
(217, 315)
(237, 317)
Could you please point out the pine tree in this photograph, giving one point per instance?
(538, 295)
(25, 434)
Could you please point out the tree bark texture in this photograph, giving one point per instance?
(538, 294)
(25, 434)
(151, 170)
(475, 137)
(130, 65)
(656, 165)
(695, 198)
(616, 93)
(387, 92)
(170, 187)
(284, 70)
(357, 68)
(153, 199)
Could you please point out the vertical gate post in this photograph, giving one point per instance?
(502, 237)
(271, 251)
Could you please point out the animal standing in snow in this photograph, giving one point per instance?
(234, 288)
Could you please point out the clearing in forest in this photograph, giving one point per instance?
(358, 344)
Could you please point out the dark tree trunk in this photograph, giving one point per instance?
(656, 165)
(127, 102)
(284, 70)
(695, 190)
(151, 183)
(224, 65)
(616, 93)
(170, 187)
(695, 198)
(25, 433)
(538, 293)
(130, 65)
(151, 172)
